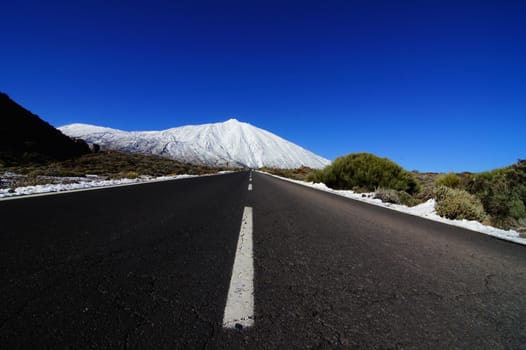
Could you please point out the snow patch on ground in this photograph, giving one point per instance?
(83, 184)
(425, 210)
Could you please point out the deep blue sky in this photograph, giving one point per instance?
(434, 85)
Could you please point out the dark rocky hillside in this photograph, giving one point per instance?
(24, 137)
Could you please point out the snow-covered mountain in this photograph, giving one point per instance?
(231, 143)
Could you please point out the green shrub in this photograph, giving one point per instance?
(407, 199)
(132, 175)
(366, 172)
(450, 180)
(458, 204)
(321, 175)
(387, 195)
(502, 192)
(517, 209)
(396, 197)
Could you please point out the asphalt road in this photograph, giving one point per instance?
(149, 267)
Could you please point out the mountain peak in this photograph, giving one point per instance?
(225, 144)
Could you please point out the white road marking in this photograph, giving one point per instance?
(239, 309)
(250, 187)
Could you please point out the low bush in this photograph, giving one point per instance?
(458, 204)
(502, 193)
(407, 199)
(132, 175)
(387, 195)
(321, 175)
(366, 172)
(396, 197)
(450, 180)
(517, 209)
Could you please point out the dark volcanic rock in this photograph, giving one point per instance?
(25, 137)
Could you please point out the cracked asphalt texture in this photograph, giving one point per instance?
(148, 267)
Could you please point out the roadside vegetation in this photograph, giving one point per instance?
(503, 194)
(301, 173)
(365, 172)
(107, 164)
(496, 197)
(458, 204)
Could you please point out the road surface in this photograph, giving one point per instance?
(150, 267)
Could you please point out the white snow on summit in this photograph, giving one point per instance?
(231, 143)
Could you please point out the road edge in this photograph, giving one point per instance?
(456, 223)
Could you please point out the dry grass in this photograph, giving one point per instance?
(295, 174)
(112, 165)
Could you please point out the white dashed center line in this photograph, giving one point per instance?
(239, 309)
(250, 187)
